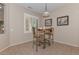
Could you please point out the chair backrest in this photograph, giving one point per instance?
(49, 30)
(40, 31)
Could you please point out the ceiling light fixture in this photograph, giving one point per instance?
(46, 13)
(29, 7)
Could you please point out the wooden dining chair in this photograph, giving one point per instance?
(49, 38)
(52, 34)
(37, 37)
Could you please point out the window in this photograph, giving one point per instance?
(29, 22)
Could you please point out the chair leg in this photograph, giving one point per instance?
(36, 45)
(44, 44)
(33, 44)
(49, 43)
(36, 48)
(39, 44)
(52, 39)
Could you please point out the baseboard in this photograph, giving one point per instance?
(4, 48)
(14, 45)
(20, 43)
(66, 43)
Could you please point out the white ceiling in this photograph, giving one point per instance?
(40, 7)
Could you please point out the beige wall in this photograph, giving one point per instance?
(67, 34)
(16, 24)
